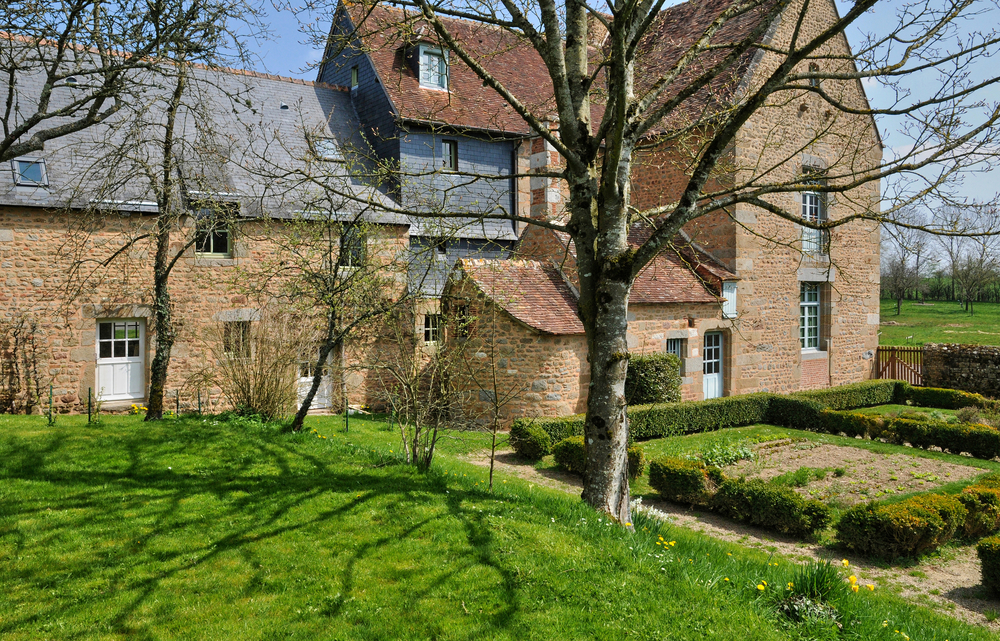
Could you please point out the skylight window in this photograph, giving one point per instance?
(326, 149)
(433, 68)
(30, 173)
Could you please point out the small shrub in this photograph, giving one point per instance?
(682, 481)
(982, 505)
(989, 480)
(529, 440)
(557, 428)
(800, 477)
(636, 461)
(571, 454)
(655, 378)
(818, 580)
(725, 452)
(969, 415)
(852, 424)
(906, 529)
(770, 506)
(989, 555)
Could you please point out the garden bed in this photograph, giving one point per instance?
(844, 475)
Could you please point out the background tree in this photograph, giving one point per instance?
(610, 102)
(904, 256)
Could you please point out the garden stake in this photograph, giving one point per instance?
(347, 420)
(51, 420)
(88, 403)
(177, 405)
(199, 401)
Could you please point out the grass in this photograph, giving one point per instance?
(940, 322)
(198, 529)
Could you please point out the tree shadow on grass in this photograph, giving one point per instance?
(129, 503)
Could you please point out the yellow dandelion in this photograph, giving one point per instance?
(726, 579)
(854, 588)
(760, 587)
(853, 579)
(845, 563)
(871, 587)
(790, 585)
(671, 544)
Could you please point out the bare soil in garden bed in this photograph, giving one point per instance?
(843, 476)
(949, 582)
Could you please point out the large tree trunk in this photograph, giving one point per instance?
(162, 322)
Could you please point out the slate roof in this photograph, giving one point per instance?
(386, 32)
(529, 290)
(236, 138)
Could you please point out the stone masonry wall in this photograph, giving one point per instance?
(973, 368)
(34, 263)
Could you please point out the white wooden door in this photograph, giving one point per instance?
(121, 372)
(712, 365)
(322, 400)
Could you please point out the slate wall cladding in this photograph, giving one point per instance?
(420, 152)
(972, 368)
(429, 269)
(370, 101)
(34, 277)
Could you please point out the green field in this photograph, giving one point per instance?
(202, 529)
(939, 322)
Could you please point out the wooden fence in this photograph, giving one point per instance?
(900, 363)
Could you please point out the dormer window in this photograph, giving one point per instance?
(30, 172)
(326, 149)
(433, 68)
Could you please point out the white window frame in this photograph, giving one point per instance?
(355, 257)
(729, 299)
(19, 178)
(211, 228)
(813, 209)
(674, 346)
(432, 328)
(326, 149)
(354, 77)
(809, 309)
(433, 78)
(449, 155)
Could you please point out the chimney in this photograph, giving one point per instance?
(547, 198)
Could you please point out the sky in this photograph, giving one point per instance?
(287, 54)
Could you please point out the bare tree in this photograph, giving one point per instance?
(70, 65)
(160, 151)
(907, 247)
(618, 89)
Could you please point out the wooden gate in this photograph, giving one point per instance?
(900, 363)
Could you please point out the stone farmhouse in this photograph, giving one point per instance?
(748, 301)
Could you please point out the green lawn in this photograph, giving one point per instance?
(199, 529)
(940, 322)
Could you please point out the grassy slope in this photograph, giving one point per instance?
(195, 530)
(942, 322)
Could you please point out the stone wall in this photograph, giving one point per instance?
(37, 253)
(973, 368)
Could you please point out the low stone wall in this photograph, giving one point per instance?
(972, 368)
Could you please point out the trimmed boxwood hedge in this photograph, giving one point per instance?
(906, 529)
(989, 555)
(774, 507)
(530, 440)
(654, 378)
(683, 480)
(982, 505)
(816, 410)
(571, 454)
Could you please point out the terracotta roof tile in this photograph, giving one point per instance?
(530, 291)
(386, 33)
